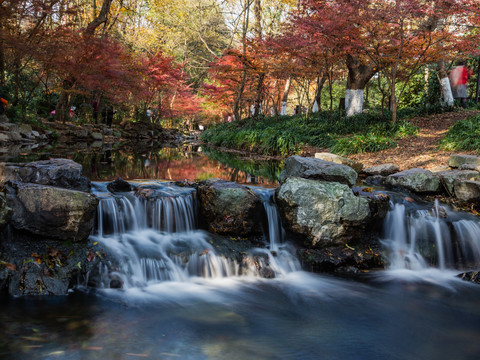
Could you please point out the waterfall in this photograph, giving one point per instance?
(151, 237)
(419, 238)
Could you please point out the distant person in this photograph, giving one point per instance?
(458, 80)
(229, 118)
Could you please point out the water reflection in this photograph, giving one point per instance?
(163, 163)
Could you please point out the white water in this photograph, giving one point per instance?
(430, 243)
(154, 239)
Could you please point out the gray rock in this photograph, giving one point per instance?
(97, 136)
(316, 169)
(448, 177)
(4, 138)
(326, 213)
(337, 159)
(52, 212)
(56, 172)
(383, 170)
(469, 167)
(229, 208)
(35, 133)
(5, 211)
(467, 190)
(457, 160)
(416, 180)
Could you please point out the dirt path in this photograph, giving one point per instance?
(419, 151)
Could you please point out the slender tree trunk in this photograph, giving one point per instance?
(288, 83)
(237, 105)
(62, 110)
(257, 8)
(317, 102)
(359, 74)
(447, 96)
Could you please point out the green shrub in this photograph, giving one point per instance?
(463, 135)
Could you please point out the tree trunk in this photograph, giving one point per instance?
(237, 105)
(257, 8)
(2, 56)
(478, 82)
(100, 19)
(317, 102)
(62, 110)
(288, 83)
(359, 74)
(447, 96)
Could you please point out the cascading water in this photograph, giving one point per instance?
(151, 234)
(422, 238)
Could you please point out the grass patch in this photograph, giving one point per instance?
(285, 135)
(463, 135)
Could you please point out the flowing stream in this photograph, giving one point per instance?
(182, 297)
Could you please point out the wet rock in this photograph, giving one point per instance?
(316, 169)
(472, 276)
(42, 266)
(229, 208)
(5, 211)
(337, 159)
(325, 213)
(51, 211)
(377, 180)
(119, 185)
(457, 160)
(448, 178)
(468, 191)
(56, 172)
(382, 170)
(340, 259)
(416, 180)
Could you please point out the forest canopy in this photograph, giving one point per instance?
(207, 60)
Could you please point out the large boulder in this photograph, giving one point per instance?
(417, 180)
(382, 170)
(457, 160)
(468, 191)
(229, 208)
(51, 212)
(326, 213)
(337, 159)
(62, 173)
(448, 178)
(316, 169)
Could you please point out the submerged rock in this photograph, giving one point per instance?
(326, 213)
(337, 159)
(316, 169)
(416, 180)
(229, 208)
(63, 173)
(52, 212)
(472, 276)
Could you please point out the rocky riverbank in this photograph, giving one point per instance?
(47, 212)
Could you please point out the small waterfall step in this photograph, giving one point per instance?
(418, 238)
